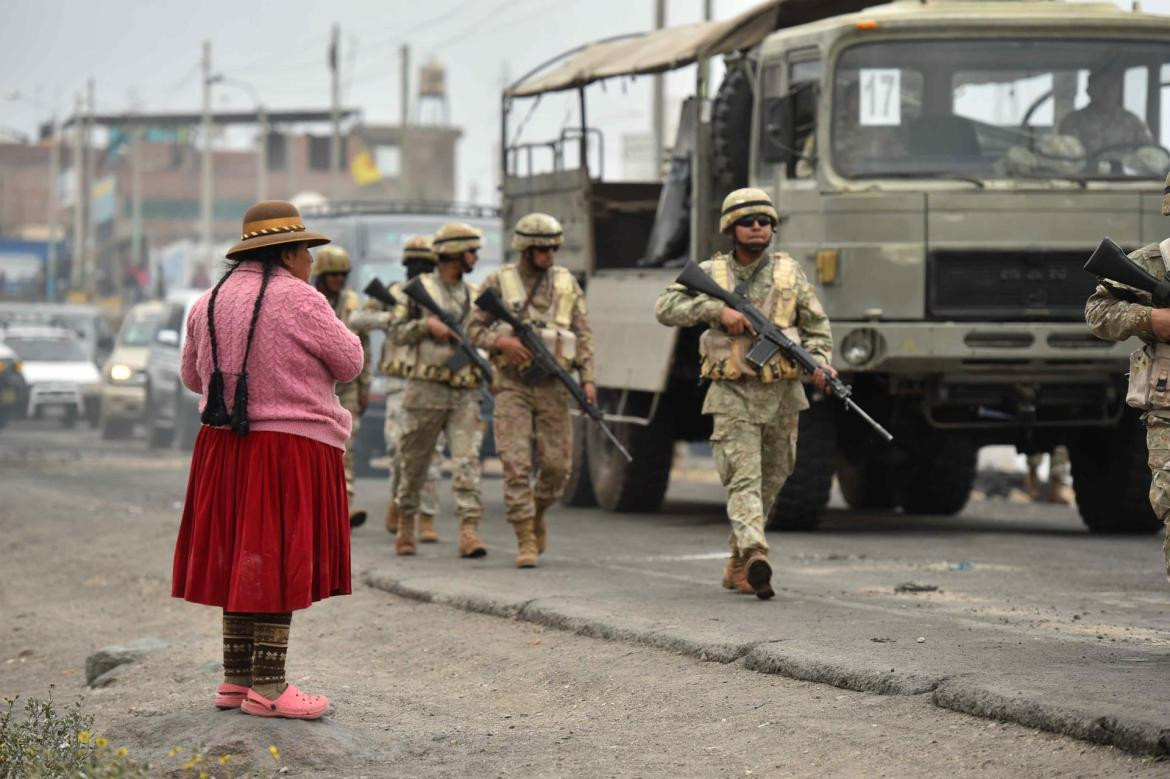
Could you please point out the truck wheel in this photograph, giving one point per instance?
(186, 423)
(804, 495)
(731, 128)
(865, 482)
(1111, 478)
(579, 490)
(938, 480)
(156, 436)
(624, 486)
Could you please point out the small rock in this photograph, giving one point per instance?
(111, 676)
(882, 640)
(916, 587)
(110, 657)
(921, 639)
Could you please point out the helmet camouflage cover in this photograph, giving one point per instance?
(331, 259)
(1166, 197)
(745, 202)
(537, 229)
(456, 238)
(418, 247)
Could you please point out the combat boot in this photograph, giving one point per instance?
(426, 529)
(526, 555)
(734, 574)
(404, 541)
(357, 518)
(392, 517)
(539, 528)
(469, 543)
(758, 572)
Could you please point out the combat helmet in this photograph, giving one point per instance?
(745, 202)
(1166, 197)
(537, 229)
(331, 259)
(456, 238)
(418, 247)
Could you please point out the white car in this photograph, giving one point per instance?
(61, 378)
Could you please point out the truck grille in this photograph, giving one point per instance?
(1023, 284)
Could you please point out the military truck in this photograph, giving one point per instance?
(942, 170)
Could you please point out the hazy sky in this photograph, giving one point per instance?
(147, 53)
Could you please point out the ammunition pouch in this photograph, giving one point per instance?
(560, 342)
(1149, 378)
(432, 365)
(724, 358)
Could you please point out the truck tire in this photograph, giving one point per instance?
(579, 489)
(157, 436)
(637, 486)
(939, 479)
(865, 482)
(186, 421)
(805, 494)
(731, 128)
(1111, 478)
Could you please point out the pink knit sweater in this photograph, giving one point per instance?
(299, 350)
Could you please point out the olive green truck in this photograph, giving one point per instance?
(942, 169)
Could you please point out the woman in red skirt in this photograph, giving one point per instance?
(265, 527)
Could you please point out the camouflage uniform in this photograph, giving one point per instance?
(755, 416)
(524, 412)
(428, 501)
(437, 402)
(1099, 128)
(1114, 319)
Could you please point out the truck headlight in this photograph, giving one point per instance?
(861, 346)
(119, 372)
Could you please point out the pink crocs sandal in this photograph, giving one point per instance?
(229, 696)
(292, 704)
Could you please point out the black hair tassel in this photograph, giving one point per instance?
(240, 410)
(215, 412)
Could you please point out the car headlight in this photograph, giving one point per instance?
(119, 372)
(861, 346)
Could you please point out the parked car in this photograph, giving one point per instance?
(124, 373)
(373, 232)
(88, 323)
(60, 376)
(13, 389)
(172, 410)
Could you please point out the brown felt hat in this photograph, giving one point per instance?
(273, 222)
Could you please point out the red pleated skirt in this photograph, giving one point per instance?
(265, 524)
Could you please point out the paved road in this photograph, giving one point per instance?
(433, 691)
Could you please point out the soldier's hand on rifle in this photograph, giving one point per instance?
(439, 331)
(590, 390)
(734, 323)
(511, 348)
(1160, 323)
(821, 378)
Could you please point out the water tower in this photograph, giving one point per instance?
(432, 107)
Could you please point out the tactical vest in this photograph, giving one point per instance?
(724, 356)
(430, 356)
(552, 323)
(1149, 366)
(397, 359)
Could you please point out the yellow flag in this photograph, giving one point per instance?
(363, 169)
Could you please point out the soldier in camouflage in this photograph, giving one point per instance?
(550, 299)
(418, 257)
(437, 400)
(331, 267)
(754, 412)
(1105, 125)
(1115, 319)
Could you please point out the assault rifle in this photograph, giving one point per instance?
(1109, 262)
(466, 354)
(771, 339)
(377, 290)
(545, 364)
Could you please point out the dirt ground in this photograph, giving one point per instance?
(422, 690)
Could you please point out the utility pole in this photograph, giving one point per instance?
(54, 174)
(90, 179)
(135, 197)
(205, 169)
(657, 108)
(262, 153)
(77, 251)
(405, 168)
(335, 143)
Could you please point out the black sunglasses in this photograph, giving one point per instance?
(755, 220)
(552, 249)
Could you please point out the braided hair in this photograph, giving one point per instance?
(215, 412)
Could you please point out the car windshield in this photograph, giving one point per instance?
(45, 349)
(1003, 108)
(139, 330)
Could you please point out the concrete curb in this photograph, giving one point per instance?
(773, 657)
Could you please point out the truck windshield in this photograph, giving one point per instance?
(1003, 108)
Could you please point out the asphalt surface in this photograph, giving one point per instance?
(1034, 622)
